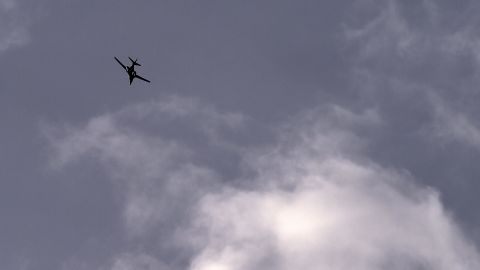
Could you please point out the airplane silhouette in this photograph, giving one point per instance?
(132, 74)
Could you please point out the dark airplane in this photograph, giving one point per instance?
(132, 74)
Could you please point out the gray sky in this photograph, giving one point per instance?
(274, 135)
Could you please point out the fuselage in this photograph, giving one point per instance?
(131, 70)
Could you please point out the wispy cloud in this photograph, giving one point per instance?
(451, 125)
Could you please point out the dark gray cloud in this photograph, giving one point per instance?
(255, 109)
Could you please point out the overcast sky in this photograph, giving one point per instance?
(273, 135)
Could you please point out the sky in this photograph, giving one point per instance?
(273, 135)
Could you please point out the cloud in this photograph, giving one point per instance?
(361, 225)
(311, 199)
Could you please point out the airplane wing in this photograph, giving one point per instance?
(124, 67)
(136, 76)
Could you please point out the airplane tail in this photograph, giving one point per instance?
(134, 62)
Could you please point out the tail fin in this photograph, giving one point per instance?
(134, 62)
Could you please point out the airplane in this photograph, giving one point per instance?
(132, 74)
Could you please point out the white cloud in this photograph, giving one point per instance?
(340, 216)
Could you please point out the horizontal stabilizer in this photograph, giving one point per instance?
(134, 62)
